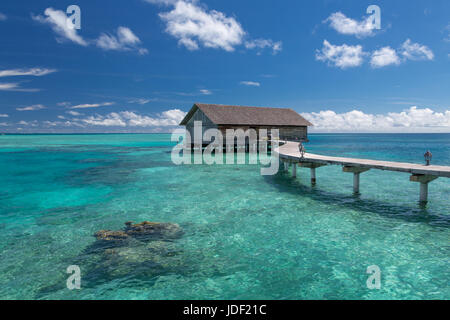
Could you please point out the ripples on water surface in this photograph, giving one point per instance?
(245, 236)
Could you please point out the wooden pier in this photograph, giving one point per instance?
(289, 154)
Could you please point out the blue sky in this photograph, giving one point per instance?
(139, 65)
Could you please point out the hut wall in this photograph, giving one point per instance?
(294, 133)
(206, 124)
(285, 133)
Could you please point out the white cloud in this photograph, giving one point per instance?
(447, 30)
(250, 83)
(124, 40)
(127, 37)
(162, 2)
(33, 123)
(264, 43)
(8, 86)
(74, 113)
(15, 87)
(346, 56)
(384, 57)
(108, 42)
(4, 124)
(37, 72)
(63, 104)
(57, 19)
(111, 120)
(125, 120)
(205, 92)
(194, 26)
(410, 120)
(174, 115)
(3, 115)
(413, 119)
(51, 123)
(32, 108)
(170, 118)
(343, 56)
(344, 25)
(92, 105)
(3, 17)
(167, 118)
(416, 51)
(140, 101)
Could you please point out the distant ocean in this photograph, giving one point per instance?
(246, 236)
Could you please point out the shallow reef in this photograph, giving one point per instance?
(143, 251)
(146, 246)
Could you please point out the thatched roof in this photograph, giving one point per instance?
(253, 116)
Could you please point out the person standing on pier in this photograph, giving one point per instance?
(428, 156)
(301, 149)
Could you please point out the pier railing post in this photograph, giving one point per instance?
(356, 176)
(424, 181)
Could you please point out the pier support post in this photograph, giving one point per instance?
(423, 192)
(356, 180)
(424, 181)
(313, 167)
(356, 176)
(286, 166)
(313, 175)
(294, 170)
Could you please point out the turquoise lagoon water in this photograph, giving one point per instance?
(246, 236)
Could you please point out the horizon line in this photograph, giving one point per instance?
(311, 133)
